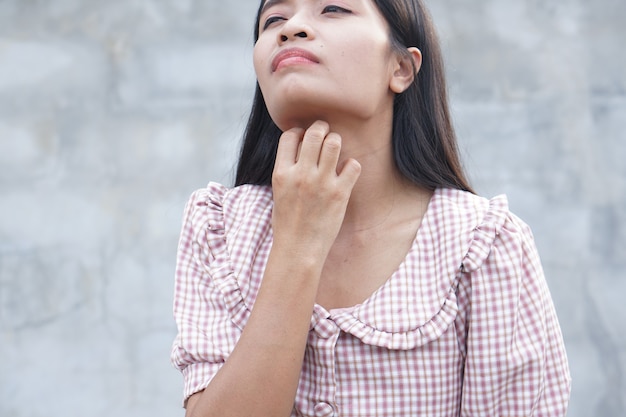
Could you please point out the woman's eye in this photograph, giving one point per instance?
(270, 20)
(335, 9)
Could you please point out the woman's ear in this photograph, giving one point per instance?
(406, 68)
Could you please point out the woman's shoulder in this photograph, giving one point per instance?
(462, 211)
(230, 201)
(247, 194)
(466, 203)
(488, 222)
(229, 210)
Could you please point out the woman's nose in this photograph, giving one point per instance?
(285, 37)
(295, 27)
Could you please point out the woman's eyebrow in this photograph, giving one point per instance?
(270, 3)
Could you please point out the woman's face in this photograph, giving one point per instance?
(323, 60)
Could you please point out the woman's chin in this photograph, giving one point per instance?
(288, 118)
(300, 106)
(293, 123)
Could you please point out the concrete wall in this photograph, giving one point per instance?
(112, 112)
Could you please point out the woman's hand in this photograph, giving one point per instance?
(311, 191)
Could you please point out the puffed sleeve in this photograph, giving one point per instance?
(516, 364)
(206, 333)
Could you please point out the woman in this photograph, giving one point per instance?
(352, 271)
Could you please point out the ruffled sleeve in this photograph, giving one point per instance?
(225, 239)
(516, 363)
(206, 333)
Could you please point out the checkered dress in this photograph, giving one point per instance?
(464, 327)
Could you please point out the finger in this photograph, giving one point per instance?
(350, 172)
(329, 155)
(312, 143)
(288, 145)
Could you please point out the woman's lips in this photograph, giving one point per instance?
(293, 56)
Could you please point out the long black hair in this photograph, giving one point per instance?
(424, 142)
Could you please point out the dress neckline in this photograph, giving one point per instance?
(424, 223)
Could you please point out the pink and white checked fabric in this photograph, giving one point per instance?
(464, 327)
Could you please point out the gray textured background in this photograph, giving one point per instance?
(112, 112)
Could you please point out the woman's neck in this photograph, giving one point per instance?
(381, 194)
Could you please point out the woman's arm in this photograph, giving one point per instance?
(261, 374)
(260, 377)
